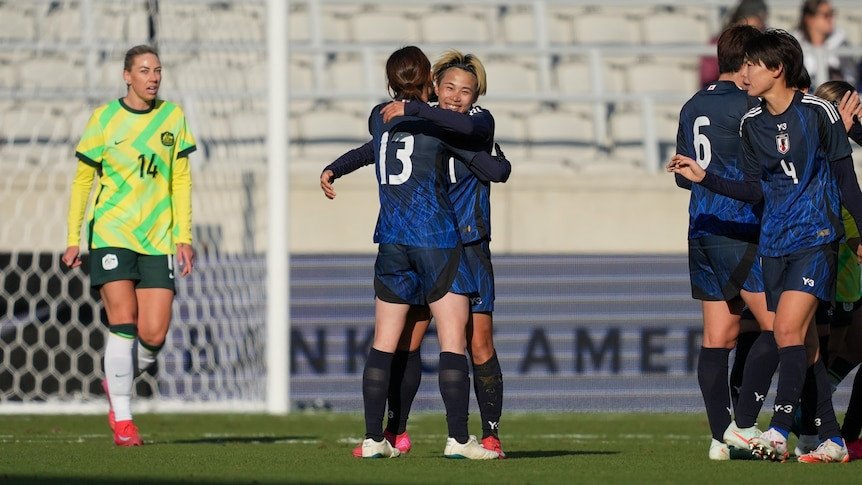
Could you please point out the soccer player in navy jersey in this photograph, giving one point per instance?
(459, 80)
(798, 162)
(420, 257)
(723, 232)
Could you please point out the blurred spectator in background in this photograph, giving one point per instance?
(747, 12)
(819, 37)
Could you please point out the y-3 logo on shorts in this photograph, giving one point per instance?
(109, 262)
(476, 300)
(808, 281)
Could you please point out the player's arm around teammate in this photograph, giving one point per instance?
(138, 146)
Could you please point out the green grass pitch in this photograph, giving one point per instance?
(315, 448)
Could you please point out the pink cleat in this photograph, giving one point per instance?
(854, 449)
(493, 443)
(401, 442)
(126, 434)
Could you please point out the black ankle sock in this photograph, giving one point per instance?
(410, 381)
(743, 346)
(375, 388)
(488, 385)
(454, 383)
(759, 368)
(791, 378)
(827, 422)
(712, 378)
(808, 404)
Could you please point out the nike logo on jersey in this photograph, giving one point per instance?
(117, 142)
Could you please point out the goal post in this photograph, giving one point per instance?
(227, 349)
(278, 279)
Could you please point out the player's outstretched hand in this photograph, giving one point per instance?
(326, 180)
(391, 110)
(859, 254)
(185, 258)
(686, 167)
(849, 107)
(72, 257)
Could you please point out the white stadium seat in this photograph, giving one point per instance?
(17, 24)
(674, 28)
(607, 29)
(454, 28)
(384, 26)
(51, 73)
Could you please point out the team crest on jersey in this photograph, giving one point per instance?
(782, 143)
(168, 139)
(109, 262)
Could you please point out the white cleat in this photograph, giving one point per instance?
(828, 452)
(718, 451)
(470, 450)
(806, 444)
(771, 445)
(379, 449)
(740, 437)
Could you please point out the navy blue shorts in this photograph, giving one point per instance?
(811, 270)
(479, 261)
(417, 276)
(720, 267)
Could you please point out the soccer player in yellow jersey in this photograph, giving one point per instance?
(138, 147)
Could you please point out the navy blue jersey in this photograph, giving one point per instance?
(709, 133)
(415, 209)
(791, 154)
(471, 197)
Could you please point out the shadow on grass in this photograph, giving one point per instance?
(516, 455)
(229, 440)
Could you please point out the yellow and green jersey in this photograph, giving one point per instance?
(143, 201)
(849, 288)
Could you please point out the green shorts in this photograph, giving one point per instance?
(117, 264)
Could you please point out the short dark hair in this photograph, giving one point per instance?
(804, 82)
(408, 73)
(777, 48)
(136, 51)
(731, 47)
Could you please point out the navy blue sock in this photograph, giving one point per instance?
(488, 385)
(454, 383)
(743, 346)
(827, 422)
(824, 348)
(808, 404)
(410, 381)
(712, 377)
(399, 364)
(375, 388)
(757, 377)
(791, 378)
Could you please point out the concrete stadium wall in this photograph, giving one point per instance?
(535, 212)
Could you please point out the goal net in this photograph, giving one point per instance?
(59, 60)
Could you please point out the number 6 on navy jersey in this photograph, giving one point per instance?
(402, 154)
(702, 148)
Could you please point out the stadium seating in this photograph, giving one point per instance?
(338, 50)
